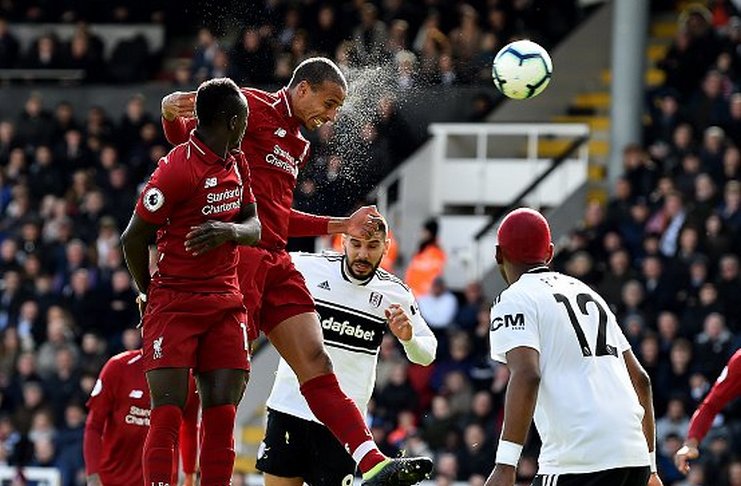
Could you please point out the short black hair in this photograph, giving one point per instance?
(317, 70)
(217, 100)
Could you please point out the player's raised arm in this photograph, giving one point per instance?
(178, 116)
(642, 385)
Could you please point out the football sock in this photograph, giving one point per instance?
(335, 410)
(217, 448)
(159, 448)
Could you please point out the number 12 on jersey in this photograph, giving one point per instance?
(602, 348)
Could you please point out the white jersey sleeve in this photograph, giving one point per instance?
(514, 323)
(422, 347)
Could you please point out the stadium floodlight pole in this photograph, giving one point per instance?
(629, 36)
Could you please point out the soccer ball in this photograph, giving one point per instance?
(522, 69)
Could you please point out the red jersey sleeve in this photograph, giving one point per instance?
(189, 431)
(170, 184)
(178, 130)
(304, 224)
(100, 405)
(726, 388)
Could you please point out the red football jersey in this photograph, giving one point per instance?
(275, 150)
(119, 420)
(190, 186)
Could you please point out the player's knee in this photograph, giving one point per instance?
(320, 361)
(222, 387)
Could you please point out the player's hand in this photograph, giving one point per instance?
(502, 475)
(399, 322)
(207, 236)
(684, 455)
(142, 305)
(93, 480)
(179, 104)
(364, 222)
(654, 480)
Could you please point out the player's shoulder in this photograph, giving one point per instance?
(180, 161)
(261, 101)
(392, 283)
(520, 292)
(123, 362)
(319, 263)
(127, 358)
(323, 256)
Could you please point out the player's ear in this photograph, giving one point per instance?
(386, 245)
(302, 87)
(498, 255)
(550, 254)
(231, 124)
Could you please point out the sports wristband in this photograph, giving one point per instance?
(508, 453)
(652, 456)
(143, 297)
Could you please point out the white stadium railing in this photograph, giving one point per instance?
(469, 168)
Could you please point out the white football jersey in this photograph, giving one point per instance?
(353, 322)
(587, 411)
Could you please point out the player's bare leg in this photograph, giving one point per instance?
(299, 341)
(168, 388)
(220, 392)
(271, 480)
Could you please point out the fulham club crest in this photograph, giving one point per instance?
(153, 199)
(375, 299)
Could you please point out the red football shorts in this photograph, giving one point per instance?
(273, 289)
(201, 331)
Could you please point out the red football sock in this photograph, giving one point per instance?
(160, 446)
(217, 448)
(335, 410)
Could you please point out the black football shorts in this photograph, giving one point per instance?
(624, 476)
(294, 447)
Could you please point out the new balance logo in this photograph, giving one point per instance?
(210, 182)
(324, 285)
(281, 132)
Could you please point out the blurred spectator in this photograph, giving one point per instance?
(8, 46)
(428, 263)
(475, 457)
(467, 316)
(674, 422)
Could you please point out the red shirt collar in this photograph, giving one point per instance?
(284, 107)
(197, 146)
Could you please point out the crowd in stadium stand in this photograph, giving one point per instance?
(664, 251)
(447, 43)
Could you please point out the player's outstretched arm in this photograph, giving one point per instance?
(642, 385)
(519, 406)
(211, 234)
(135, 242)
(361, 223)
(726, 388)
